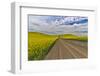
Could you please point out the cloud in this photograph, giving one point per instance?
(58, 24)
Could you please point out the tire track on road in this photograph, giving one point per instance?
(63, 49)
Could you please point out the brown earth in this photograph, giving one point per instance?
(68, 49)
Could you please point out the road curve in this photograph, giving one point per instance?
(68, 49)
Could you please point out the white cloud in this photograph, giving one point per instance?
(37, 24)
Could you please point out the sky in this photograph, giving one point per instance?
(77, 25)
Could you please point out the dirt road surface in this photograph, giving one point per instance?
(68, 49)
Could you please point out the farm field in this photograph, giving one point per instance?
(43, 46)
(74, 37)
(39, 44)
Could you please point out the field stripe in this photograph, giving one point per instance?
(65, 50)
(78, 50)
(69, 50)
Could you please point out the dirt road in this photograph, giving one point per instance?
(68, 49)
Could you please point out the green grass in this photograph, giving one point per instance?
(74, 37)
(39, 45)
(83, 38)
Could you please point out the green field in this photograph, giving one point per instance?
(39, 44)
(74, 37)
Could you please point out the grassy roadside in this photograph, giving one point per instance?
(39, 44)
